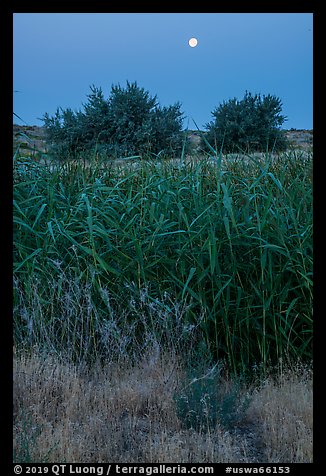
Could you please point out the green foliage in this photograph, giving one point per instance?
(207, 402)
(230, 243)
(251, 124)
(130, 122)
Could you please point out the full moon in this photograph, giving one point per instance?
(193, 42)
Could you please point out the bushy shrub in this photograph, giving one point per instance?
(251, 124)
(209, 400)
(129, 122)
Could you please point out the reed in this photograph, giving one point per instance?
(103, 248)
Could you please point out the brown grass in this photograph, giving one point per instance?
(282, 406)
(127, 413)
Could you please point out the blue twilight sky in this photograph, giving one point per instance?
(57, 56)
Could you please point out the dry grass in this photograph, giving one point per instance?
(127, 413)
(282, 407)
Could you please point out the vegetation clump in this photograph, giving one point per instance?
(224, 249)
(129, 122)
(250, 124)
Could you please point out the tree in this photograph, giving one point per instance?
(130, 111)
(166, 126)
(251, 124)
(130, 122)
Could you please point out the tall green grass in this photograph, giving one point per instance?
(103, 253)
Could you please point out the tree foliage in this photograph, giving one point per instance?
(251, 124)
(129, 122)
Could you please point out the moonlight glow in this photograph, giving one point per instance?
(193, 42)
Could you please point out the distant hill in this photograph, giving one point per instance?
(29, 138)
(301, 137)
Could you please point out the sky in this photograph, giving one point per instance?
(58, 56)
